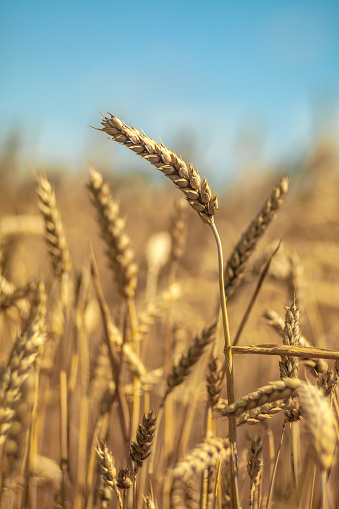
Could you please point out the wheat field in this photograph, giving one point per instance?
(165, 347)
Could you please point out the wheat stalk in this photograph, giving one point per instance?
(197, 193)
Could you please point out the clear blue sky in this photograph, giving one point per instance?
(244, 79)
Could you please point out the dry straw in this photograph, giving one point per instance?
(247, 243)
(187, 179)
(112, 227)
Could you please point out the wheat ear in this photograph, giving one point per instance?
(256, 415)
(22, 357)
(108, 472)
(280, 389)
(181, 370)
(247, 243)
(205, 455)
(214, 381)
(289, 365)
(54, 231)
(112, 226)
(140, 448)
(277, 323)
(254, 466)
(197, 193)
(319, 420)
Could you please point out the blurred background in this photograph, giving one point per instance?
(232, 86)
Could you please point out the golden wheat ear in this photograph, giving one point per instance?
(187, 179)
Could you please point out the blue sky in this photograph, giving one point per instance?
(250, 82)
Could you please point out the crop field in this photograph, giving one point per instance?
(166, 346)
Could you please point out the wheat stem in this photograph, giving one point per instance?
(229, 371)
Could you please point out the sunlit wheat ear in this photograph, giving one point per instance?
(112, 229)
(187, 179)
(24, 352)
(205, 455)
(248, 241)
(319, 419)
(280, 389)
(54, 231)
(107, 471)
(181, 370)
(141, 448)
(289, 365)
